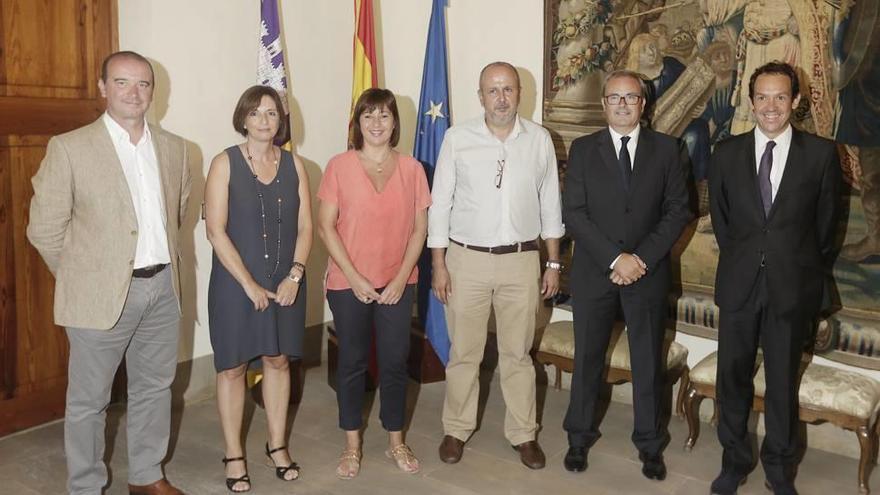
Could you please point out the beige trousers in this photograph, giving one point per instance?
(509, 283)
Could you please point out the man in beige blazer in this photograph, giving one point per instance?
(109, 199)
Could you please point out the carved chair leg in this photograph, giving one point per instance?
(875, 434)
(558, 384)
(682, 390)
(866, 444)
(692, 402)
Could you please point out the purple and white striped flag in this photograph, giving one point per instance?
(271, 72)
(270, 66)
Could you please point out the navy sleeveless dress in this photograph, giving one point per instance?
(239, 333)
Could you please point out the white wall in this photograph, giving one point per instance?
(205, 56)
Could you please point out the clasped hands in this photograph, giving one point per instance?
(365, 292)
(628, 269)
(284, 295)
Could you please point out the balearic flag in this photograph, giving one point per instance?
(270, 63)
(270, 72)
(433, 120)
(364, 50)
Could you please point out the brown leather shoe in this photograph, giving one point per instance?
(451, 449)
(161, 487)
(530, 454)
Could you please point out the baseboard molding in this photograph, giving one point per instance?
(195, 380)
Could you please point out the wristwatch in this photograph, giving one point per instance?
(295, 278)
(554, 265)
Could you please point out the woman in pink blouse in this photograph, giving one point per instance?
(373, 219)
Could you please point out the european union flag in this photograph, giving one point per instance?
(433, 120)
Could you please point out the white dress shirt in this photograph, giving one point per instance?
(469, 208)
(630, 146)
(141, 169)
(780, 155)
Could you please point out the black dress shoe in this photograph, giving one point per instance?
(727, 483)
(653, 467)
(780, 488)
(576, 459)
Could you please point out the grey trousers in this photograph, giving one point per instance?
(146, 334)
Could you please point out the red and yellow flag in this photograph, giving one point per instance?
(364, 50)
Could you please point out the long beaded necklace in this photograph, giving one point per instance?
(265, 236)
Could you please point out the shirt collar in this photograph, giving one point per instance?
(118, 133)
(518, 127)
(633, 134)
(783, 139)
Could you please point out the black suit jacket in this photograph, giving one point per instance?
(796, 241)
(605, 219)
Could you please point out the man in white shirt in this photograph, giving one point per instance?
(109, 199)
(496, 189)
(625, 204)
(774, 195)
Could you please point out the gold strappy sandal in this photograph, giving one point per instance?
(403, 456)
(349, 464)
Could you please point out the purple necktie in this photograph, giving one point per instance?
(764, 177)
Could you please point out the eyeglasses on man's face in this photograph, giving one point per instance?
(629, 99)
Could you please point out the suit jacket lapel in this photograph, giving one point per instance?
(643, 152)
(751, 174)
(795, 155)
(107, 158)
(162, 161)
(606, 151)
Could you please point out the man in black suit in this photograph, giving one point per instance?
(774, 199)
(624, 216)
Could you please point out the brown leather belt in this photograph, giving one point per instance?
(148, 271)
(519, 247)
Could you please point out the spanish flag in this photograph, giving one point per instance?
(364, 77)
(364, 50)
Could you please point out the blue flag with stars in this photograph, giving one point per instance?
(433, 120)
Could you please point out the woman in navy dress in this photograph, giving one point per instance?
(258, 218)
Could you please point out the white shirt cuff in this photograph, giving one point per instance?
(438, 242)
(615, 261)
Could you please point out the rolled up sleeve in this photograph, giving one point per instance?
(548, 195)
(441, 195)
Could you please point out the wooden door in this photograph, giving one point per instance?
(50, 59)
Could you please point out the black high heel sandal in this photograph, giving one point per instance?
(281, 471)
(231, 482)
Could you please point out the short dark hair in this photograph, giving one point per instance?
(499, 64)
(249, 101)
(370, 100)
(778, 68)
(126, 54)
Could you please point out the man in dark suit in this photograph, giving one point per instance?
(624, 216)
(774, 199)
